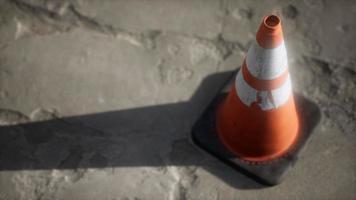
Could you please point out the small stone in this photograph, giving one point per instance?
(43, 114)
(11, 117)
(21, 29)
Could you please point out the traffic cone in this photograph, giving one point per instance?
(258, 126)
(258, 120)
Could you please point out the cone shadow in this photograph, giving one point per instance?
(152, 136)
(141, 137)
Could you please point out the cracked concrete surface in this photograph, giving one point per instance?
(97, 97)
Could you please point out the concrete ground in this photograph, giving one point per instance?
(97, 98)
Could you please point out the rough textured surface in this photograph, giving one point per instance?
(97, 99)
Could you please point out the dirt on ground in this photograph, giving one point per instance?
(97, 98)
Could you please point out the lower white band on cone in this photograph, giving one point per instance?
(267, 100)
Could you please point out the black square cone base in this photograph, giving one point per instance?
(271, 173)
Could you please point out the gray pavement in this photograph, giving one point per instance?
(97, 98)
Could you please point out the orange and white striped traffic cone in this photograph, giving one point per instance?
(257, 128)
(258, 120)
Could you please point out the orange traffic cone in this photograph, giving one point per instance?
(258, 120)
(258, 128)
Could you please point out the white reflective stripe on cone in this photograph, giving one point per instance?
(266, 64)
(275, 99)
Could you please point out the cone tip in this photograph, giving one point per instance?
(270, 33)
(272, 22)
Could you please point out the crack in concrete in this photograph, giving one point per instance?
(73, 19)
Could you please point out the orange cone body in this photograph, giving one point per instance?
(258, 119)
